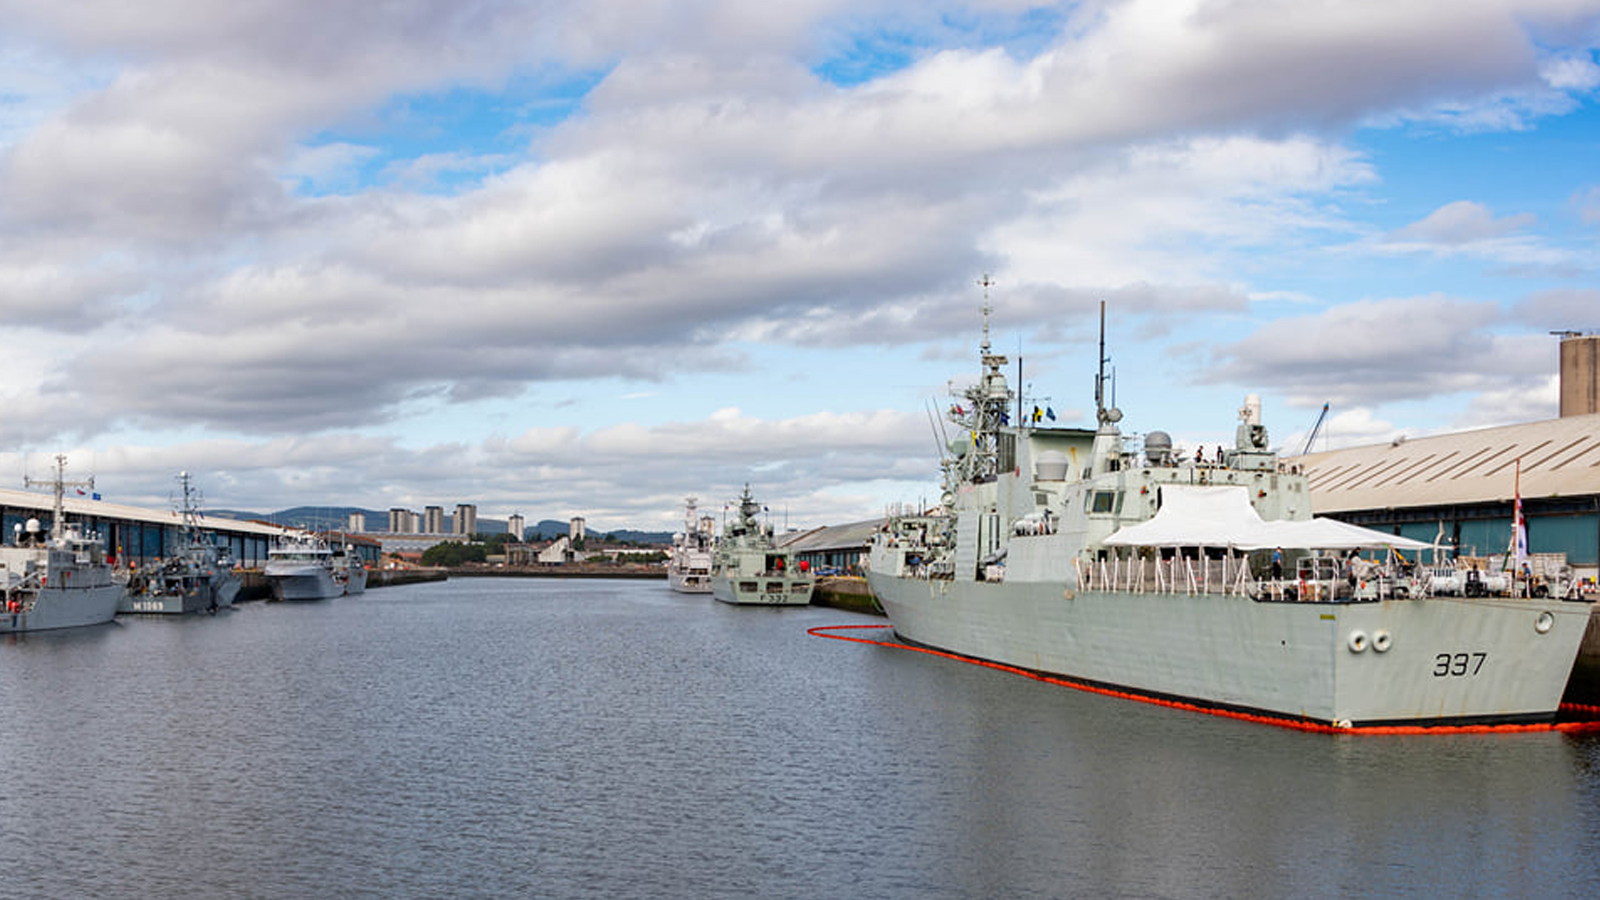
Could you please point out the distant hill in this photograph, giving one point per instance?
(332, 518)
(320, 518)
(550, 529)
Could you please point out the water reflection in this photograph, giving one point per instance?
(495, 738)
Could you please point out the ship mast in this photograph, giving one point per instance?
(990, 399)
(58, 523)
(1100, 375)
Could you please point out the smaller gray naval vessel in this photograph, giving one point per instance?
(747, 568)
(302, 566)
(1201, 582)
(199, 575)
(689, 569)
(56, 580)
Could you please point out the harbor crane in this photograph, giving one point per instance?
(1315, 430)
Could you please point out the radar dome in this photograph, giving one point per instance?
(1158, 447)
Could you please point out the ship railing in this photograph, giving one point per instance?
(1175, 575)
(1369, 588)
(1232, 574)
(22, 593)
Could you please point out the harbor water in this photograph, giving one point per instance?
(605, 739)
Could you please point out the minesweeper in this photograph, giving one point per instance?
(1074, 554)
(198, 576)
(59, 579)
(748, 568)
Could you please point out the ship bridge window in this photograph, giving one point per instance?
(1105, 502)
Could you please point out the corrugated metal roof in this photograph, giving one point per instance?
(77, 507)
(1560, 458)
(853, 535)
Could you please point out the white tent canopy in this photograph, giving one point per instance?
(1221, 516)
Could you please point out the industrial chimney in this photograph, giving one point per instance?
(1580, 373)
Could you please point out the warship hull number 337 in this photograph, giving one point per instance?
(1072, 554)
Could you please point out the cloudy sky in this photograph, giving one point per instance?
(561, 258)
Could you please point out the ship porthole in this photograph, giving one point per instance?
(1544, 623)
(1357, 641)
(1381, 641)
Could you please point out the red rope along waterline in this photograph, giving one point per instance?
(1589, 723)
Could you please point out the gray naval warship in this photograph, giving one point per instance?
(747, 568)
(1079, 555)
(198, 576)
(59, 578)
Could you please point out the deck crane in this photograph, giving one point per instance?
(1315, 430)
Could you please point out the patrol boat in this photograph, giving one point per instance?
(302, 566)
(1074, 554)
(689, 569)
(747, 568)
(198, 576)
(56, 580)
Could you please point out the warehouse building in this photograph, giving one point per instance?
(134, 534)
(1460, 488)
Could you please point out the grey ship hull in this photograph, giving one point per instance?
(1448, 660)
(204, 596)
(687, 582)
(761, 590)
(64, 608)
(303, 583)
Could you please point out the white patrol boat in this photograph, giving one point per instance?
(304, 567)
(1072, 554)
(56, 580)
(689, 569)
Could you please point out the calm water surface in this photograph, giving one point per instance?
(541, 738)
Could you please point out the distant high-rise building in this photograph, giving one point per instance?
(575, 528)
(433, 520)
(357, 523)
(399, 521)
(516, 525)
(466, 523)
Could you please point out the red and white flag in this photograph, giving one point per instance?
(1519, 526)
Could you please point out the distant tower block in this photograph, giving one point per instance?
(357, 523)
(1580, 373)
(466, 520)
(516, 525)
(575, 529)
(433, 520)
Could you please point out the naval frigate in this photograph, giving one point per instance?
(1081, 555)
(689, 569)
(749, 569)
